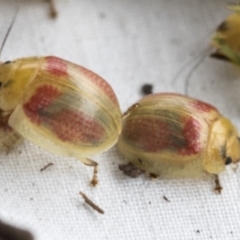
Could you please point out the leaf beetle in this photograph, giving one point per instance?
(171, 135)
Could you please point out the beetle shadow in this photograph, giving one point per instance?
(145, 179)
(119, 160)
(173, 188)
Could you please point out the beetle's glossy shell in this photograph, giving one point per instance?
(171, 135)
(60, 106)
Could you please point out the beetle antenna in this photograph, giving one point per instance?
(201, 56)
(193, 69)
(9, 30)
(200, 59)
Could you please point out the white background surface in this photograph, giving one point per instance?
(128, 42)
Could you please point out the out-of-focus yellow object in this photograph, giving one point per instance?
(226, 39)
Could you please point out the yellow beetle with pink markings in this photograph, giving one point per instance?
(172, 135)
(59, 106)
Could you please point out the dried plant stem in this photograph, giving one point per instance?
(91, 204)
(42, 169)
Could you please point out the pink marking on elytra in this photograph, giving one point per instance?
(191, 134)
(42, 98)
(149, 134)
(67, 125)
(76, 127)
(57, 66)
(202, 106)
(154, 135)
(100, 82)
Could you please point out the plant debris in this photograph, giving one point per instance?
(91, 203)
(166, 199)
(147, 89)
(48, 165)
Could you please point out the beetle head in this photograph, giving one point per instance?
(231, 150)
(6, 70)
(14, 78)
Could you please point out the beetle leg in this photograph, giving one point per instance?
(130, 170)
(218, 187)
(93, 164)
(8, 140)
(8, 137)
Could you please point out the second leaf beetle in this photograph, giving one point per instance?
(60, 106)
(172, 135)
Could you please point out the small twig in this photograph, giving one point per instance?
(91, 204)
(42, 169)
(166, 199)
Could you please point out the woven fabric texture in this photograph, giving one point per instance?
(128, 43)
